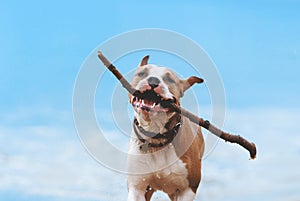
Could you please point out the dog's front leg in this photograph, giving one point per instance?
(136, 195)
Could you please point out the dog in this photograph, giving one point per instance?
(165, 149)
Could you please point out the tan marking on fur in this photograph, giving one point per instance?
(189, 147)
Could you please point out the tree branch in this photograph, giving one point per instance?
(250, 146)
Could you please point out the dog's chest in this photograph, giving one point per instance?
(174, 176)
(164, 170)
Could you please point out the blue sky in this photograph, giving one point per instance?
(254, 44)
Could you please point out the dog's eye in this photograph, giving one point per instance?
(169, 79)
(141, 74)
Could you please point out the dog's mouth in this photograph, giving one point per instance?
(152, 101)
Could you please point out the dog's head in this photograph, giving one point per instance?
(158, 84)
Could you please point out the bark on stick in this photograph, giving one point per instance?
(250, 146)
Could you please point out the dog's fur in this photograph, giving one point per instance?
(174, 165)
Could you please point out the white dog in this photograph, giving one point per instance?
(165, 149)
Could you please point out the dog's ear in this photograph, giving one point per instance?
(144, 61)
(190, 82)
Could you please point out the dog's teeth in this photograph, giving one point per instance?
(153, 105)
(133, 99)
(143, 102)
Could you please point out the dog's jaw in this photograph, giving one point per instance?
(150, 114)
(153, 121)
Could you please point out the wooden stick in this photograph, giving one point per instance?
(201, 122)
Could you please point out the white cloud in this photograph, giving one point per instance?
(50, 161)
(275, 171)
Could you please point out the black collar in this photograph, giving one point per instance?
(167, 136)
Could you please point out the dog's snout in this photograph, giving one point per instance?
(153, 82)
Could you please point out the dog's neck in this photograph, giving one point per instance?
(154, 123)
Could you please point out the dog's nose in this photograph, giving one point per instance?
(153, 82)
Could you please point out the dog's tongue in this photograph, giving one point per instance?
(144, 103)
(147, 103)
